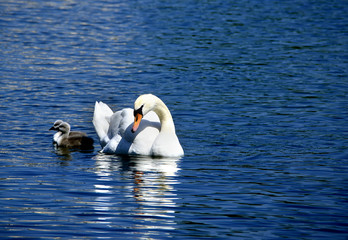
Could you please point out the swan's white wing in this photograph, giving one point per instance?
(101, 121)
(123, 141)
(119, 122)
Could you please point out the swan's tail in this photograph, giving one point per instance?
(101, 121)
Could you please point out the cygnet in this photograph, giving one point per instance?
(58, 133)
(65, 138)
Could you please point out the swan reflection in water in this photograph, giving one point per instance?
(139, 190)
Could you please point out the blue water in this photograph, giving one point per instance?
(258, 92)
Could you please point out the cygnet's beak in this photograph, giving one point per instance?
(53, 128)
(137, 120)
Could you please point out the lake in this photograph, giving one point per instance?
(258, 92)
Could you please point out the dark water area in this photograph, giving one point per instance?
(258, 92)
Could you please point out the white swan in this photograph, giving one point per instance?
(147, 130)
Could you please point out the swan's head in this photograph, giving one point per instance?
(56, 125)
(144, 104)
(64, 127)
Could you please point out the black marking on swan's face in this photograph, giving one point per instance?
(139, 111)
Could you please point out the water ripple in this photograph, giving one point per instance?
(258, 93)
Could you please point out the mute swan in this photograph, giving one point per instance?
(74, 140)
(58, 133)
(148, 129)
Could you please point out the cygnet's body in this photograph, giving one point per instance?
(65, 138)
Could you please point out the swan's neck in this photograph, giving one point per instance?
(167, 124)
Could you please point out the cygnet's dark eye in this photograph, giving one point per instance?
(139, 111)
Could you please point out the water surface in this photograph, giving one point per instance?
(258, 92)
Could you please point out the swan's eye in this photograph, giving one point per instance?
(139, 111)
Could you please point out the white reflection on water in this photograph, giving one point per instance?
(144, 186)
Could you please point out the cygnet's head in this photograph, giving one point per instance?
(64, 127)
(56, 125)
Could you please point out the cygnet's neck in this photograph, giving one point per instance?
(62, 137)
(167, 124)
(56, 136)
(65, 134)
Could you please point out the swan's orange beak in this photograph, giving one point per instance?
(137, 120)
